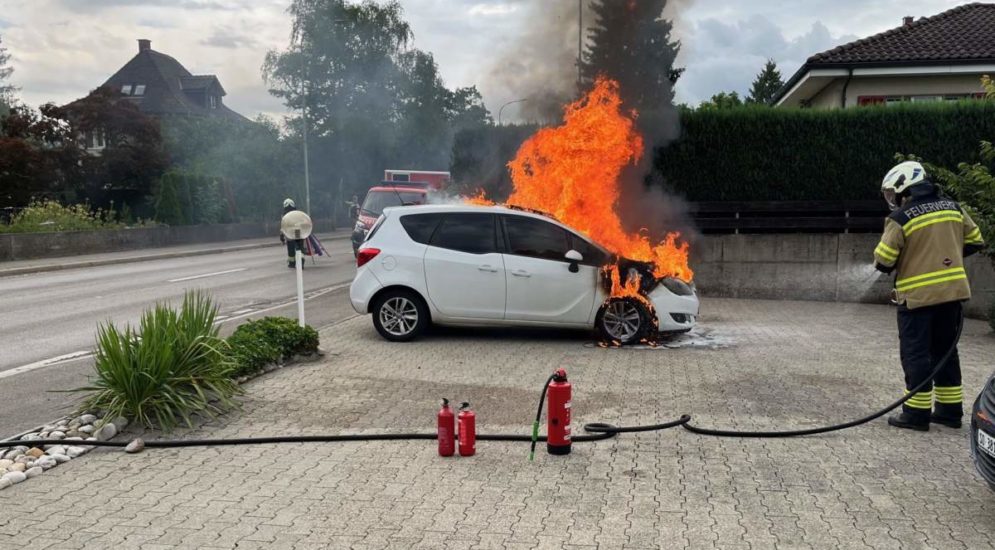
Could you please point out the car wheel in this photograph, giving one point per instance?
(400, 315)
(623, 320)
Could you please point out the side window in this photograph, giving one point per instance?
(471, 233)
(592, 254)
(420, 227)
(536, 238)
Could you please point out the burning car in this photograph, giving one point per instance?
(497, 266)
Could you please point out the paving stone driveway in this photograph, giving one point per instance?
(777, 364)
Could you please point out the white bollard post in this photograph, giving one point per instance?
(299, 257)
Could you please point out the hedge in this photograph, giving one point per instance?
(269, 340)
(760, 153)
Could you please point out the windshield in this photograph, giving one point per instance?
(376, 201)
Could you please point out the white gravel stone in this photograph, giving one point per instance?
(5, 463)
(30, 437)
(105, 432)
(14, 477)
(120, 423)
(4, 483)
(56, 450)
(18, 467)
(33, 472)
(73, 452)
(136, 446)
(45, 462)
(61, 458)
(57, 435)
(87, 419)
(23, 459)
(88, 429)
(74, 438)
(62, 423)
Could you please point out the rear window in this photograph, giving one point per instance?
(376, 201)
(471, 233)
(420, 227)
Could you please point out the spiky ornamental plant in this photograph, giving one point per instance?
(174, 367)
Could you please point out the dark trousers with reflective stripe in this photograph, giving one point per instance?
(926, 334)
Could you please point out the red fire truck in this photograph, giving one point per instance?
(435, 180)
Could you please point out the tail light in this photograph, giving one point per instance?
(365, 255)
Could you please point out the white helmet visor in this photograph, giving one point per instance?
(891, 197)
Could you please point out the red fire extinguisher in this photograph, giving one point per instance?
(467, 430)
(447, 430)
(558, 414)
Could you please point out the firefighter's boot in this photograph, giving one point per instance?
(911, 420)
(948, 407)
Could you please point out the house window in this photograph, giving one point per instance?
(139, 89)
(126, 89)
(213, 101)
(95, 139)
(866, 100)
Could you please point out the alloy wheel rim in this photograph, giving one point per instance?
(621, 320)
(399, 316)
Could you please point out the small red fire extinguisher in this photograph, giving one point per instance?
(558, 414)
(447, 430)
(467, 430)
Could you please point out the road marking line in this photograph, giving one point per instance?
(85, 354)
(46, 363)
(180, 280)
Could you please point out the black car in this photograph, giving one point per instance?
(983, 432)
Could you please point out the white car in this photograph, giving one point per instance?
(496, 266)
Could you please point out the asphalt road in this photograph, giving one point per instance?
(47, 319)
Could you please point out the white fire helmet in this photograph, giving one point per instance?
(289, 203)
(900, 179)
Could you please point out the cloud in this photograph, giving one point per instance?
(226, 37)
(91, 6)
(726, 56)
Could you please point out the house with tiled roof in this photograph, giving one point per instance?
(160, 85)
(938, 58)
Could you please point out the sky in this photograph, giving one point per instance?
(62, 49)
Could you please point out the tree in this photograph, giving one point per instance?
(133, 159)
(39, 157)
(372, 101)
(766, 85)
(7, 90)
(631, 42)
(723, 100)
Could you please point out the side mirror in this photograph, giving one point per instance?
(574, 258)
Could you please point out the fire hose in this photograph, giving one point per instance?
(595, 431)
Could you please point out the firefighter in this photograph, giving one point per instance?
(925, 241)
(293, 245)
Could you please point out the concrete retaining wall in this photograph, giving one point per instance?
(27, 246)
(825, 267)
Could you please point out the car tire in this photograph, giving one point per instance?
(400, 315)
(623, 320)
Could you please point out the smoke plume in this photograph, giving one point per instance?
(542, 66)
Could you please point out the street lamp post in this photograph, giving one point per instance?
(307, 168)
(501, 110)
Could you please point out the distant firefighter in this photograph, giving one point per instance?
(293, 245)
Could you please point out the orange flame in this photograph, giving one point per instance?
(573, 173)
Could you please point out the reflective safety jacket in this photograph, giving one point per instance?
(925, 242)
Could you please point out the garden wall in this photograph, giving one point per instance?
(25, 246)
(824, 267)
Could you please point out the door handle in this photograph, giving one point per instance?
(487, 268)
(521, 273)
